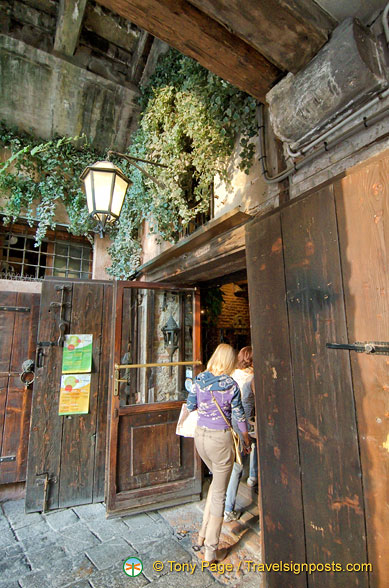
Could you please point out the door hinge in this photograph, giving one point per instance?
(115, 413)
(16, 308)
(7, 458)
(371, 347)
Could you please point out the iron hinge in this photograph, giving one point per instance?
(16, 308)
(7, 458)
(371, 347)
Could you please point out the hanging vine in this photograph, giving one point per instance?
(189, 122)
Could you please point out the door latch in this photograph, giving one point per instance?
(371, 347)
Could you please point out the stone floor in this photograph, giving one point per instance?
(79, 548)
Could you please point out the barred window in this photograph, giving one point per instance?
(54, 257)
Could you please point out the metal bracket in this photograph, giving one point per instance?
(46, 486)
(16, 308)
(7, 458)
(371, 347)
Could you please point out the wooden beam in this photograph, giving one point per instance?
(69, 23)
(288, 34)
(195, 34)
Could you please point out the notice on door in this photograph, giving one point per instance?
(74, 394)
(77, 354)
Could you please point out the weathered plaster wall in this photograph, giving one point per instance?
(247, 191)
(47, 95)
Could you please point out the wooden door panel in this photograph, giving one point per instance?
(79, 431)
(71, 449)
(279, 463)
(7, 320)
(149, 465)
(46, 427)
(362, 202)
(332, 498)
(18, 332)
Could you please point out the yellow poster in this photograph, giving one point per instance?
(74, 394)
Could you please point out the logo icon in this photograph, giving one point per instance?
(132, 567)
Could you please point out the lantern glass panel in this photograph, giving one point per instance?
(102, 185)
(118, 195)
(88, 190)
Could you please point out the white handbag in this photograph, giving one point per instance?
(187, 422)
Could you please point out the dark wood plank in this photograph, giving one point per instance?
(281, 498)
(79, 431)
(329, 455)
(281, 31)
(7, 320)
(18, 405)
(192, 32)
(105, 371)
(362, 202)
(44, 452)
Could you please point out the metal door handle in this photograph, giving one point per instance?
(370, 347)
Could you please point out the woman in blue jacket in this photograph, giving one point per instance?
(213, 438)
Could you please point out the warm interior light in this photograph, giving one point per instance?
(105, 188)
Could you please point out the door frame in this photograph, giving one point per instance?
(117, 504)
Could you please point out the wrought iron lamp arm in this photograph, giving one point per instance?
(132, 160)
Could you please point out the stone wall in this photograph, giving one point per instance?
(47, 95)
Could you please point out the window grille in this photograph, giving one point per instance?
(54, 257)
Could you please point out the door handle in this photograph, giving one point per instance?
(371, 347)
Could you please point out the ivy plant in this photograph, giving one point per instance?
(189, 122)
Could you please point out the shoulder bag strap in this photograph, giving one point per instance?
(220, 410)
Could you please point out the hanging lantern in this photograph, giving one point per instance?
(105, 188)
(171, 333)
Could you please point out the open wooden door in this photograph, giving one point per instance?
(149, 466)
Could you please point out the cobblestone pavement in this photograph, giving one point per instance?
(79, 548)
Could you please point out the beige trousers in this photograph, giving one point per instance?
(216, 449)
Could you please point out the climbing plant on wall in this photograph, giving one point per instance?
(189, 122)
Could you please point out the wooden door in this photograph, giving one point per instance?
(66, 460)
(149, 465)
(318, 274)
(18, 330)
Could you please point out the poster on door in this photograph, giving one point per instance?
(74, 394)
(77, 354)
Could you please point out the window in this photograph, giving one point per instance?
(19, 256)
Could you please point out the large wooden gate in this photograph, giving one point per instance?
(66, 459)
(18, 329)
(318, 274)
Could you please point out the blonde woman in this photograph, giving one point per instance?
(213, 438)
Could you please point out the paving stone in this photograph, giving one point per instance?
(107, 529)
(89, 512)
(14, 568)
(46, 558)
(61, 519)
(7, 537)
(163, 551)
(9, 584)
(14, 511)
(76, 538)
(109, 552)
(39, 528)
(34, 543)
(9, 552)
(114, 577)
(84, 584)
(67, 571)
(183, 518)
(142, 529)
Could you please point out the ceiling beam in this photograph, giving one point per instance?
(195, 34)
(288, 33)
(69, 23)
